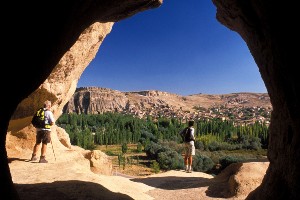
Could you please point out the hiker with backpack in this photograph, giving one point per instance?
(43, 133)
(188, 138)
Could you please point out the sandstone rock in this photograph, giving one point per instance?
(63, 137)
(239, 179)
(100, 162)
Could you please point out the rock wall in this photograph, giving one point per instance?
(264, 26)
(62, 82)
(94, 100)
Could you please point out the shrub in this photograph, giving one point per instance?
(213, 146)
(110, 153)
(146, 136)
(199, 145)
(152, 150)
(124, 148)
(155, 166)
(202, 163)
(139, 147)
(172, 145)
(217, 146)
(250, 142)
(227, 160)
(170, 160)
(121, 160)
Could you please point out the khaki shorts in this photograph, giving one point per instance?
(189, 149)
(43, 136)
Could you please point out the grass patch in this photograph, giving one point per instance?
(135, 163)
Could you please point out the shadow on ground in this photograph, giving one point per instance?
(214, 188)
(10, 160)
(67, 190)
(174, 182)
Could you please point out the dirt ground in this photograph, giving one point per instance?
(67, 176)
(72, 180)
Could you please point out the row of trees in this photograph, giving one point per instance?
(88, 130)
(161, 141)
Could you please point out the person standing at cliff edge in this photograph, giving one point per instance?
(43, 135)
(188, 138)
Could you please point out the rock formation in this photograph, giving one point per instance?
(263, 26)
(94, 100)
(42, 50)
(97, 100)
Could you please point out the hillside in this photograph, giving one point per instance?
(94, 100)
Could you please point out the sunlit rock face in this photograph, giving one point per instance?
(93, 100)
(59, 88)
(45, 63)
(62, 82)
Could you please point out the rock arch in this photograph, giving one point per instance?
(39, 36)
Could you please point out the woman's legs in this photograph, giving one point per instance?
(188, 158)
(186, 162)
(190, 163)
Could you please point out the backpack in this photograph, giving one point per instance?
(38, 119)
(187, 135)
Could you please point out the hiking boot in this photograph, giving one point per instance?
(43, 160)
(33, 158)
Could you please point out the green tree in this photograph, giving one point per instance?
(155, 166)
(124, 148)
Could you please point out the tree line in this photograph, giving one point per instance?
(89, 130)
(159, 138)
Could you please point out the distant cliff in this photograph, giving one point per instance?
(96, 100)
(92, 100)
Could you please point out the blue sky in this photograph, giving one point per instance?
(180, 48)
